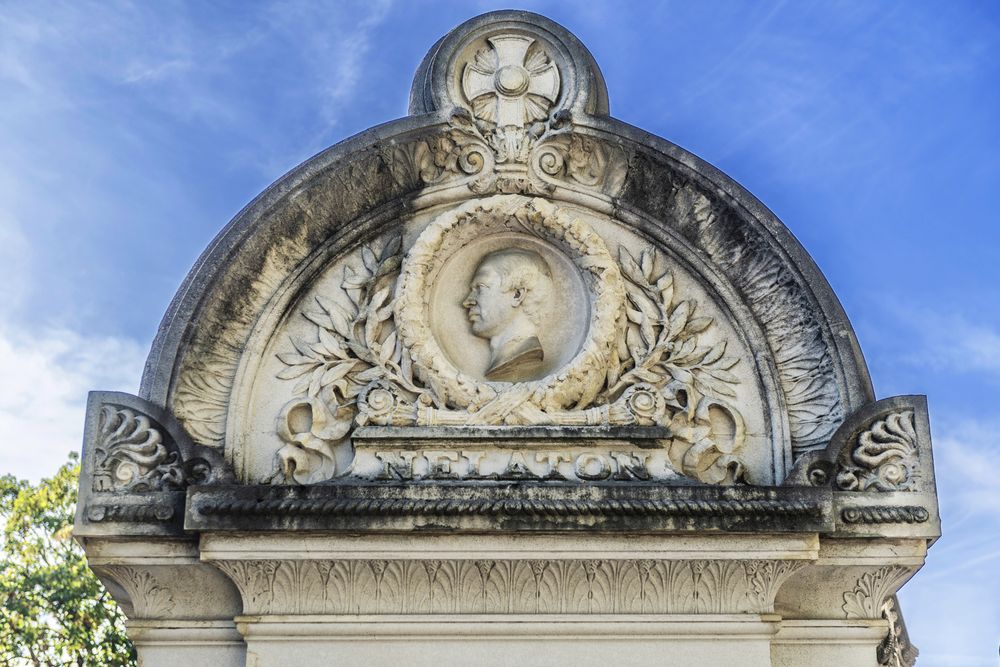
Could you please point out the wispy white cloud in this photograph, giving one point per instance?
(967, 455)
(815, 88)
(44, 380)
(952, 340)
(951, 605)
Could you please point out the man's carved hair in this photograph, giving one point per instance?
(523, 269)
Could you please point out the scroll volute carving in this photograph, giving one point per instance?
(883, 447)
(137, 461)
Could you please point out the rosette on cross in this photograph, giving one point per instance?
(511, 83)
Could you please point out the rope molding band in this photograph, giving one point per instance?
(527, 507)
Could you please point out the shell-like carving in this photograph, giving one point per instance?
(131, 454)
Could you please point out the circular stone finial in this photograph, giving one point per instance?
(509, 68)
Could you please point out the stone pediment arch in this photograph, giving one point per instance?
(508, 368)
(561, 148)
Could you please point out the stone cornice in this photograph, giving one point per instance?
(509, 507)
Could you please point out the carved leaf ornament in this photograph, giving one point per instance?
(131, 454)
(374, 361)
(505, 586)
(884, 457)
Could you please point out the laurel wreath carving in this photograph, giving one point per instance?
(660, 342)
(357, 354)
(646, 365)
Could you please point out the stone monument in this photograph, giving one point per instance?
(507, 381)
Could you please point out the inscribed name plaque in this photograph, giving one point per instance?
(496, 376)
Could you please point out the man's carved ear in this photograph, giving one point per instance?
(519, 294)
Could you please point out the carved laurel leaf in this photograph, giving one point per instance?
(331, 345)
(297, 370)
(353, 280)
(339, 317)
(369, 259)
(346, 358)
(294, 359)
(388, 348)
(630, 267)
(697, 325)
(715, 353)
(678, 319)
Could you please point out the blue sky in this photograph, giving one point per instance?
(130, 133)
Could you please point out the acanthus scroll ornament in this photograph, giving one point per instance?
(134, 454)
(148, 597)
(871, 591)
(131, 454)
(884, 457)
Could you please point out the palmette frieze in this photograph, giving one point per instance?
(503, 586)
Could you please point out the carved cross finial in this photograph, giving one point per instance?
(511, 84)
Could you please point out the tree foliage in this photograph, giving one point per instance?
(54, 609)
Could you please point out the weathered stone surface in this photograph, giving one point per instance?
(497, 374)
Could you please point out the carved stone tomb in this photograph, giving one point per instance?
(507, 382)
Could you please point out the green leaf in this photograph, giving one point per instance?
(52, 607)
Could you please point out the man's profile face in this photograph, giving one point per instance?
(490, 307)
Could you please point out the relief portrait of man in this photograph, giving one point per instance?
(506, 299)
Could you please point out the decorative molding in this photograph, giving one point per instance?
(885, 514)
(376, 361)
(883, 458)
(527, 507)
(784, 309)
(871, 590)
(130, 454)
(134, 453)
(539, 586)
(137, 464)
(202, 397)
(149, 598)
(509, 159)
(512, 82)
(896, 649)
(148, 512)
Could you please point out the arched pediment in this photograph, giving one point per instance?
(668, 301)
